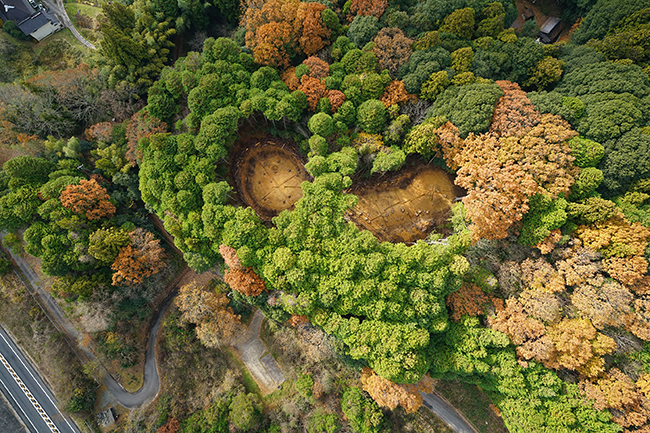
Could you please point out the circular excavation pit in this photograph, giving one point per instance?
(405, 206)
(269, 174)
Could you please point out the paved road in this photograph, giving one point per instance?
(151, 382)
(447, 413)
(58, 8)
(27, 392)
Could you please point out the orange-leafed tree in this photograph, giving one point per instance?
(578, 346)
(314, 89)
(276, 30)
(468, 300)
(142, 258)
(498, 190)
(171, 426)
(392, 49)
(501, 174)
(390, 394)
(337, 98)
(540, 275)
(395, 93)
(314, 34)
(317, 68)
(208, 308)
(244, 280)
(100, 132)
(513, 113)
(89, 199)
(528, 334)
(289, 78)
(375, 8)
(618, 392)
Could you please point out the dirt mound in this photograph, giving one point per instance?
(405, 206)
(269, 174)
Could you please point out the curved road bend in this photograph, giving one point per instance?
(447, 413)
(26, 391)
(58, 8)
(151, 380)
(151, 384)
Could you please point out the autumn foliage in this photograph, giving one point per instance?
(208, 309)
(142, 258)
(513, 113)
(375, 8)
(244, 280)
(89, 199)
(99, 132)
(392, 49)
(141, 125)
(317, 68)
(468, 300)
(278, 29)
(171, 426)
(390, 394)
(314, 89)
(395, 93)
(502, 173)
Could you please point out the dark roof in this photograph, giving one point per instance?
(16, 10)
(549, 25)
(33, 23)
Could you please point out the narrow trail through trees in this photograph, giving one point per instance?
(151, 381)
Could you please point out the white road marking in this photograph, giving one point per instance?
(29, 395)
(18, 405)
(37, 382)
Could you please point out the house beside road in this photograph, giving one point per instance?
(30, 17)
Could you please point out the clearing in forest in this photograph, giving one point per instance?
(405, 206)
(269, 174)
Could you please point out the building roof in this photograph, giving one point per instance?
(549, 25)
(16, 10)
(33, 23)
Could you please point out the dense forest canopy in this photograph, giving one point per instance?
(537, 290)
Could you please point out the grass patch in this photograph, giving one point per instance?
(84, 9)
(249, 382)
(473, 403)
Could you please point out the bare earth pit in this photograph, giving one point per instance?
(405, 206)
(269, 174)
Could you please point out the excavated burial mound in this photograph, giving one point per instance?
(405, 206)
(269, 175)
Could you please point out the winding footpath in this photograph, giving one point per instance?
(151, 382)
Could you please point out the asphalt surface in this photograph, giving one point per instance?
(151, 384)
(151, 381)
(28, 393)
(447, 413)
(58, 8)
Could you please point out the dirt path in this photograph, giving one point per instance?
(253, 352)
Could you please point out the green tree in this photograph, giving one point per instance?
(363, 29)
(469, 107)
(105, 244)
(460, 23)
(372, 116)
(362, 413)
(245, 411)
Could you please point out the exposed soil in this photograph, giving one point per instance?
(405, 206)
(268, 175)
